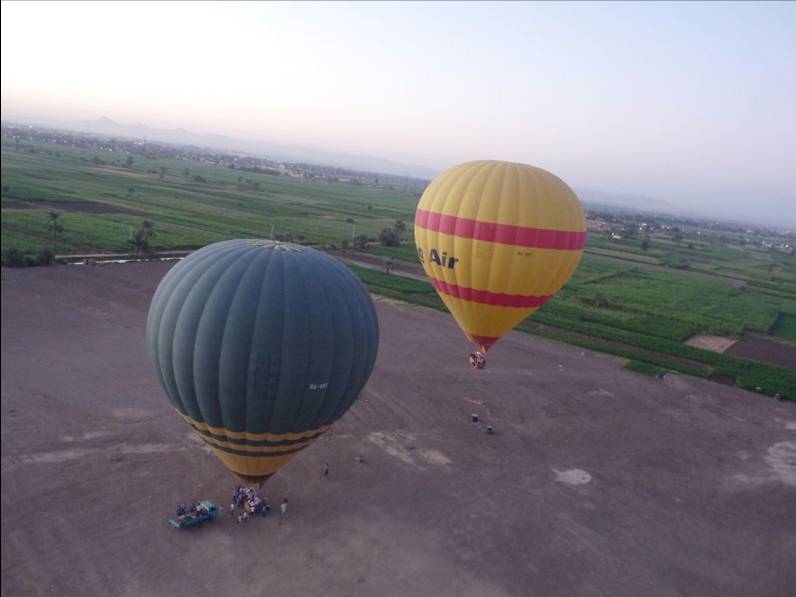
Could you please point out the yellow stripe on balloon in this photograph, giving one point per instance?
(250, 466)
(270, 437)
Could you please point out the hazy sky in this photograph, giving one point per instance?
(690, 103)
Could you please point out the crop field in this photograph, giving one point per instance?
(190, 203)
(785, 327)
(634, 302)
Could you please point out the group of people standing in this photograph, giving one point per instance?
(247, 502)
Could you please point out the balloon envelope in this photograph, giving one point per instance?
(260, 347)
(498, 240)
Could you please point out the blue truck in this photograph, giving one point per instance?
(204, 511)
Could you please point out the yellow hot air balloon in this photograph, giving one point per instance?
(498, 240)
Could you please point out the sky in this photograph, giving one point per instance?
(689, 103)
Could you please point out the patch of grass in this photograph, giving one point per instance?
(785, 327)
(220, 207)
(643, 367)
(655, 351)
(405, 252)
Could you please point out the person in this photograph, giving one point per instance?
(180, 509)
(360, 460)
(283, 506)
(232, 509)
(489, 429)
(477, 360)
(326, 470)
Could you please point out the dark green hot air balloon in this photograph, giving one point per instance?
(260, 347)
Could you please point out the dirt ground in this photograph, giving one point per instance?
(712, 343)
(376, 262)
(767, 350)
(599, 481)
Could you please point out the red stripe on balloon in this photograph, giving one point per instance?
(506, 234)
(484, 342)
(485, 297)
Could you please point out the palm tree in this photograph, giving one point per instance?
(148, 228)
(54, 226)
(400, 228)
(142, 236)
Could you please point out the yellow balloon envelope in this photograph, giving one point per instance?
(498, 240)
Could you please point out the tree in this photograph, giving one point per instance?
(163, 170)
(142, 236)
(400, 228)
(389, 238)
(129, 161)
(131, 190)
(645, 244)
(360, 241)
(45, 256)
(13, 257)
(599, 299)
(54, 226)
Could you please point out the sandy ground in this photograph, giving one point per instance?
(712, 343)
(599, 481)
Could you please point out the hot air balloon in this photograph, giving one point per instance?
(261, 346)
(497, 240)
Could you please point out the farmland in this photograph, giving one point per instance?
(638, 300)
(191, 203)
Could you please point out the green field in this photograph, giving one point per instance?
(624, 300)
(657, 352)
(785, 327)
(100, 202)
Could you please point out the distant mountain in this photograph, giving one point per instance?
(591, 198)
(274, 151)
(612, 201)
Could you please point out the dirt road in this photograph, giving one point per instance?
(599, 481)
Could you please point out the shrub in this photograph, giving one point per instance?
(15, 258)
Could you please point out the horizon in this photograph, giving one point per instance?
(567, 87)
